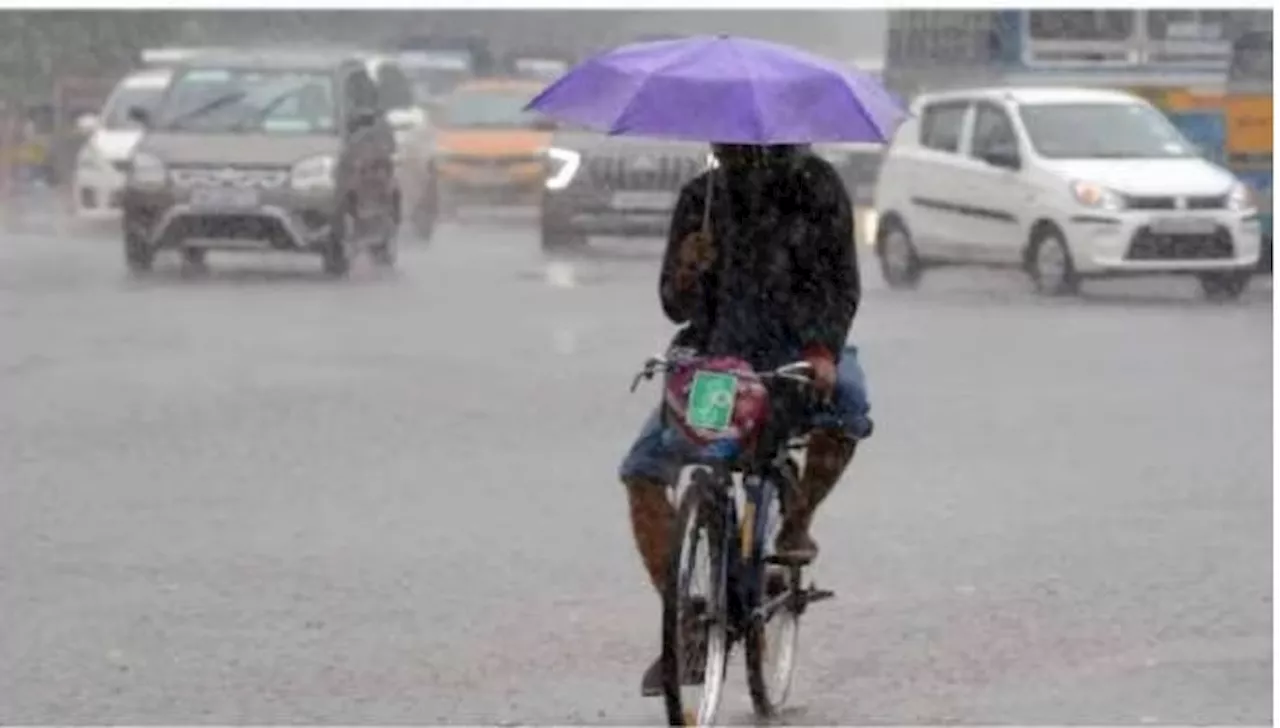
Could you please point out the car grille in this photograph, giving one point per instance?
(1214, 202)
(241, 177)
(643, 172)
(1147, 245)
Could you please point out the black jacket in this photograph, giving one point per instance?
(786, 275)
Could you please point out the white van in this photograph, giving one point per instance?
(100, 165)
(1066, 183)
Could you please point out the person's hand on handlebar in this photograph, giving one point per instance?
(824, 371)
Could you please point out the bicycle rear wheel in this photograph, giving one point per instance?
(772, 638)
(695, 635)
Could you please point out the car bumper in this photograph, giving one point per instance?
(590, 211)
(298, 223)
(98, 194)
(1133, 242)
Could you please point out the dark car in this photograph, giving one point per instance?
(613, 186)
(289, 151)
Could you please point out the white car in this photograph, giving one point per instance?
(100, 165)
(1066, 183)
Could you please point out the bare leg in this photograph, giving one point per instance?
(652, 518)
(829, 454)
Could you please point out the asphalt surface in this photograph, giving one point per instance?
(260, 496)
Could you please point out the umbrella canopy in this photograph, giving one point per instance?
(722, 89)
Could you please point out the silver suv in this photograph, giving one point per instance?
(289, 151)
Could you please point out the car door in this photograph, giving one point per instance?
(992, 191)
(934, 180)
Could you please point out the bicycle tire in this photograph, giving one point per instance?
(770, 688)
(698, 513)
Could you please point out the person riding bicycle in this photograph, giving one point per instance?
(759, 265)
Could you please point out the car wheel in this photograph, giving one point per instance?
(194, 257)
(561, 239)
(386, 250)
(1049, 263)
(138, 253)
(1265, 260)
(1224, 286)
(899, 260)
(337, 249)
(426, 213)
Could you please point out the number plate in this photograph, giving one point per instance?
(1183, 226)
(711, 400)
(224, 198)
(657, 201)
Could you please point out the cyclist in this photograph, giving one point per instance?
(759, 265)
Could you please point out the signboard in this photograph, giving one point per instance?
(1249, 126)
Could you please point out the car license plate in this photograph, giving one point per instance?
(1183, 226)
(224, 198)
(657, 201)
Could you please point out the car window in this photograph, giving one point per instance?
(222, 100)
(992, 129)
(941, 124)
(1102, 131)
(394, 88)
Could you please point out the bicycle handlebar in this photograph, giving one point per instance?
(799, 372)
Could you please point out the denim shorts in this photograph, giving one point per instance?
(658, 454)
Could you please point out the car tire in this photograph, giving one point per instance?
(336, 255)
(1049, 263)
(1265, 258)
(1227, 286)
(556, 239)
(385, 252)
(426, 213)
(900, 264)
(139, 256)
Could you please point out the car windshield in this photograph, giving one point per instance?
(488, 109)
(434, 74)
(250, 101)
(1102, 131)
(116, 113)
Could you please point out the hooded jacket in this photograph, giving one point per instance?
(785, 280)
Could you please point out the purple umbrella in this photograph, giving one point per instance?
(721, 89)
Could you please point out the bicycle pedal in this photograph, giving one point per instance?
(789, 560)
(814, 594)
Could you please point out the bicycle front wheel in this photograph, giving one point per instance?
(695, 635)
(773, 634)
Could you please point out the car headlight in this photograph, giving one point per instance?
(1096, 196)
(313, 173)
(147, 170)
(566, 164)
(1242, 199)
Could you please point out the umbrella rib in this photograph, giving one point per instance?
(640, 89)
(857, 104)
(755, 97)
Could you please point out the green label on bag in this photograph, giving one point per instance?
(711, 400)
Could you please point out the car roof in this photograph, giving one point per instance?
(293, 60)
(1030, 95)
(501, 84)
(147, 78)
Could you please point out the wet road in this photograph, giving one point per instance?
(261, 496)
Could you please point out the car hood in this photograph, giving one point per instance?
(491, 142)
(1185, 176)
(246, 149)
(115, 145)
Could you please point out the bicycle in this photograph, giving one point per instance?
(751, 589)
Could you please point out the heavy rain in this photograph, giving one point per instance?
(317, 333)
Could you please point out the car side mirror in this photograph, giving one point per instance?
(140, 116)
(1005, 157)
(87, 124)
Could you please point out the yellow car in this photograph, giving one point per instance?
(488, 148)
